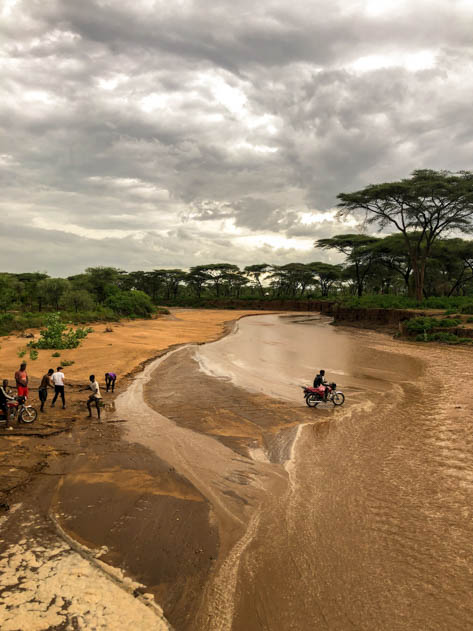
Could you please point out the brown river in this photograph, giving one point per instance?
(357, 517)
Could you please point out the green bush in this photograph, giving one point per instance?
(446, 338)
(57, 335)
(33, 354)
(427, 324)
(68, 362)
(133, 304)
(56, 354)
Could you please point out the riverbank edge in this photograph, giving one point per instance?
(383, 319)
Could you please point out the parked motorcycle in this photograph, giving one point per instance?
(314, 396)
(19, 409)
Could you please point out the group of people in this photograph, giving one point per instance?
(54, 379)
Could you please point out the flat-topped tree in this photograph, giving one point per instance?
(255, 272)
(358, 248)
(422, 208)
(326, 275)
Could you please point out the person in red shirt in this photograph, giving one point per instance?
(21, 378)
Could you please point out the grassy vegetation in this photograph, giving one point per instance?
(14, 321)
(446, 338)
(428, 324)
(453, 304)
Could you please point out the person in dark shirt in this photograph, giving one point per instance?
(46, 382)
(4, 398)
(320, 381)
(110, 378)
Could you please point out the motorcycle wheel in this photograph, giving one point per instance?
(338, 398)
(28, 414)
(312, 401)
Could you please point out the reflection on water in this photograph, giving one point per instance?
(275, 355)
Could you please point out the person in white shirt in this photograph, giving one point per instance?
(95, 397)
(58, 381)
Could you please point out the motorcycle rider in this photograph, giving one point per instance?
(4, 398)
(320, 381)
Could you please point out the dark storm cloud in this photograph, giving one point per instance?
(177, 133)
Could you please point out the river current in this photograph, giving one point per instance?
(362, 520)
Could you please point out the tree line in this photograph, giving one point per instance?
(372, 265)
(417, 259)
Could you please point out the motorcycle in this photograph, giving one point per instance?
(314, 396)
(19, 409)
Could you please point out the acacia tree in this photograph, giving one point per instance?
(422, 208)
(391, 252)
(255, 272)
(326, 275)
(217, 273)
(358, 250)
(197, 277)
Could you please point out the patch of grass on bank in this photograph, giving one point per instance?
(446, 338)
(14, 321)
(427, 324)
(453, 304)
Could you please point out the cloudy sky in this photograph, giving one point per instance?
(168, 133)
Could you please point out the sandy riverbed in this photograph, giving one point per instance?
(124, 348)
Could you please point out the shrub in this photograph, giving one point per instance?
(22, 352)
(33, 354)
(68, 362)
(134, 304)
(446, 338)
(427, 324)
(56, 354)
(56, 334)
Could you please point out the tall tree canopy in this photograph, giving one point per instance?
(422, 208)
(358, 250)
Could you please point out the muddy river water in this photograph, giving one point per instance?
(358, 517)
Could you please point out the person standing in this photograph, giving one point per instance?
(110, 378)
(58, 378)
(94, 397)
(21, 378)
(46, 382)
